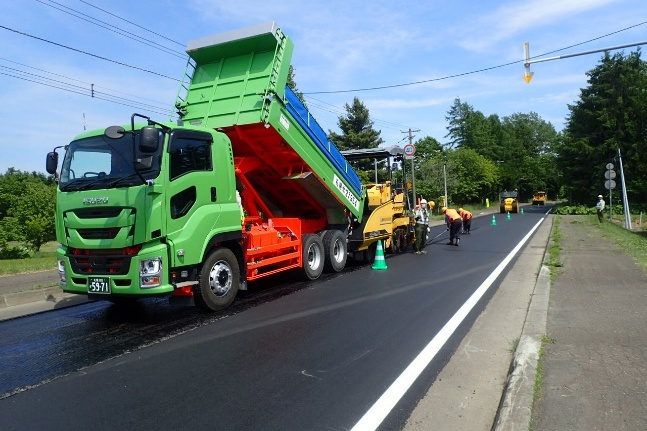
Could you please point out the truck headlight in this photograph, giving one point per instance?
(150, 272)
(61, 272)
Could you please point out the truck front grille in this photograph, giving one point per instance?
(99, 262)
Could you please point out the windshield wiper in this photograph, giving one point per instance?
(127, 180)
(89, 184)
(79, 184)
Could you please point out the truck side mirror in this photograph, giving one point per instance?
(51, 163)
(148, 139)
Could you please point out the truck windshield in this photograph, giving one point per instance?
(99, 163)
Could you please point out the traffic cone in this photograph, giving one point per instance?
(521, 210)
(493, 220)
(508, 216)
(379, 263)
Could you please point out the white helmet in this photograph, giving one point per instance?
(423, 201)
(600, 196)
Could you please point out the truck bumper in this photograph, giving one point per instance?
(128, 284)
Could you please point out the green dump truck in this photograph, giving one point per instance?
(243, 186)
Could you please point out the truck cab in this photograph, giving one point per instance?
(135, 202)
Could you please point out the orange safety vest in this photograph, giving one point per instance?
(452, 215)
(466, 214)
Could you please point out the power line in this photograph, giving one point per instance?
(112, 28)
(341, 111)
(132, 23)
(591, 40)
(384, 87)
(78, 80)
(168, 50)
(88, 53)
(41, 78)
(42, 83)
(88, 93)
(485, 69)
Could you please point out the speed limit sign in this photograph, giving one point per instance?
(409, 151)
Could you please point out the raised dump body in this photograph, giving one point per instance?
(284, 162)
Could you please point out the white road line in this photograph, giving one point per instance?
(383, 406)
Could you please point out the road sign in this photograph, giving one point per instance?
(609, 166)
(409, 151)
(609, 184)
(609, 175)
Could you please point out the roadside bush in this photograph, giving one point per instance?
(588, 210)
(13, 252)
(573, 210)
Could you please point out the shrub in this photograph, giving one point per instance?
(13, 253)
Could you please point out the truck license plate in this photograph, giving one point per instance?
(99, 285)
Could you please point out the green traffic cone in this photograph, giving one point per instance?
(521, 210)
(508, 216)
(379, 263)
(493, 220)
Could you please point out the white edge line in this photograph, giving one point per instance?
(383, 406)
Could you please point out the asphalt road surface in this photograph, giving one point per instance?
(322, 355)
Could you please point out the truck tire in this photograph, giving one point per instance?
(219, 280)
(515, 207)
(335, 250)
(313, 256)
(502, 208)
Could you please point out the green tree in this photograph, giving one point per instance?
(34, 212)
(526, 157)
(27, 204)
(610, 115)
(521, 146)
(293, 86)
(476, 176)
(357, 133)
(459, 127)
(426, 149)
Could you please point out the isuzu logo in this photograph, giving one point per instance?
(95, 201)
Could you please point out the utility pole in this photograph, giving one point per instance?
(446, 203)
(625, 201)
(413, 172)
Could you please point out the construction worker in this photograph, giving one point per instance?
(421, 215)
(467, 220)
(454, 223)
(600, 207)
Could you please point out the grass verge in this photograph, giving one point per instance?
(39, 261)
(539, 379)
(554, 249)
(634, 242)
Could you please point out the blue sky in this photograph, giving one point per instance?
(345, 45)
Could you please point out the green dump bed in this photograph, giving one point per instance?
(237, 84)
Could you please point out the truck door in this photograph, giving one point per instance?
(192, 195)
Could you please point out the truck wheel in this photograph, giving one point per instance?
(335, 249)
(313, 256)
(219, 280)
(502, 208)
(515, 207)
